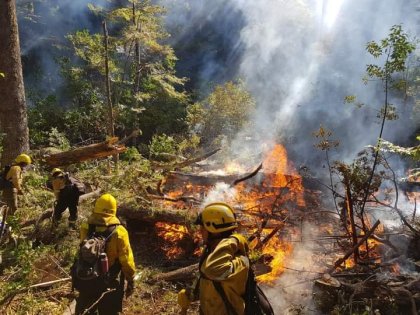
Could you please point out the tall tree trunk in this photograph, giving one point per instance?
(13, 116)
(108, 83)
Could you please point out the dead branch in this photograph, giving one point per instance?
(133, 134)
(267, 238)
(184, 273)
(248, 176)
(184, 163)
(359, 243)
(181, 198)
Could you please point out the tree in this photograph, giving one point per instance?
(13, 117)
(141, 67)
(223, 113)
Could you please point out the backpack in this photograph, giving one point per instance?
(78, 185)
(256, 302)
(4, 183)
(88, 272)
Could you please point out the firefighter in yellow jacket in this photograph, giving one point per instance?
(15, 177)
(120, 258)
(223, 266)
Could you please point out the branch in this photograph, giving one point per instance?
(185, 163)
(252, 174)
(351, 251)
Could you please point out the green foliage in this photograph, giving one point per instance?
(162, 145)
(224, 112)
(395, 48)
(132, 154)
(147, 95)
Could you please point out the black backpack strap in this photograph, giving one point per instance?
(110, 229)
(228, 306)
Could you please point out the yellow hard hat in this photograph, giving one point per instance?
(56, 171)
(23, 158)
(106, 205)
(217, 217)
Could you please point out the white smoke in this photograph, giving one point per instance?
(300, 59)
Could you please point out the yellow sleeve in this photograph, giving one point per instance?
(222, 263)
(125, 254)
(15, 175)
(84, 227)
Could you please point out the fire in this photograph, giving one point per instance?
(279, 251)
(267, 197)
(172, 234)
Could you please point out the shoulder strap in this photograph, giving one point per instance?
(107, 233)
(228, 306)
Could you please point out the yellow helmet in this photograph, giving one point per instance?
(23, 158)
(106, 205)
(56, 172)
(217, 217)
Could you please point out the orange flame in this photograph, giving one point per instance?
(172, 234)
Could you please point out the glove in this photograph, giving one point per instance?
(129, 289)
(242, 243)
(183, 299)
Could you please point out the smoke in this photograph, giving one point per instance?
(299, 60)
(43, 26)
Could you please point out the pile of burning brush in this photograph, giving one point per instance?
(363, 268)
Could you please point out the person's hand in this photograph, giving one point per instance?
(130, 289)
(183, 299)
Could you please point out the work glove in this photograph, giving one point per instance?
(183, 299)
(242, 243)
(129, 289)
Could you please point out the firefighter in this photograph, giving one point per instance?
(15, 176)
(66, 194)
(223, 266)
(120, 258)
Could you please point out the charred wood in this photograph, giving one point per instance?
(359, 243)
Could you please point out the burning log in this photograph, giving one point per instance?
(90, 152)
(359, 243)
(185, 273)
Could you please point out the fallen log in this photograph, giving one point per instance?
(351, 251)
(89, 152)
(185, 273)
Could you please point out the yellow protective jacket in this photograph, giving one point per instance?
(15, 176)
(118, 246)
(229, 265)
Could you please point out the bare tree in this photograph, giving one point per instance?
(13, 116)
